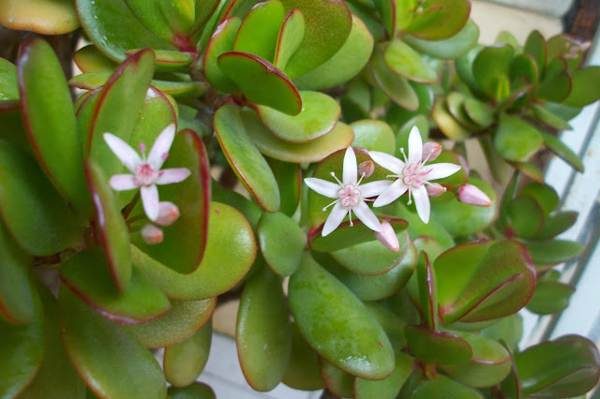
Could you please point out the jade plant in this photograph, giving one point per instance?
(307, 157)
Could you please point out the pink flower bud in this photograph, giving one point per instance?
(387, 236)
(435, 190)
(366, 168)
(469, 194)
(168, 213)
(151, 234)
(431, 150)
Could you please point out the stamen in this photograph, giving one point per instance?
(143, 149)
(409, 196)
(350, 217)
(361, 178)
(404, 155)
(336, 179)
(329, 205)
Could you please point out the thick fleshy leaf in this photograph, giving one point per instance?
(447, 123)
(180, 323)
(535, 46)
(339, 137)
(22, 349)
(197, 390)
(439, 19)
(437, 347)
(374, 135)
(9, 90)
(346, 63)
(392, 323)
(318, 117)
(247, 207)
(211, 278)
(107, 358)
(479, 112)
(405, 61)
(557, 83)
(46, 17)
(544, 194)
(553, 252)
(525, 216)
(17, 293)
(113, 28)
(260, 81)
(389, 387)
(508, 330)
(170, 21)
(329, 317)
(395, 86)
(187, 236)
(584, 82)
(289, 38)
(87, 276)
(263, 332)
(110, 227)
(337, 381)
(563, 368)
(220, 42)
(259, 30)
(328, 25)
(33, 212)
(547, 117)
(450, 48)
(184, 361)
(550, 297)
(282, 256)
(483, 281)
(561, 150)
(491, 69)
(557, 223)
(244, 158)
(444, 387)
(90, 59)
(289, 180)
(515, 139)
(303, 370)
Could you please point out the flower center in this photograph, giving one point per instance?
(349, 196)
(414, 175)
(145, 174)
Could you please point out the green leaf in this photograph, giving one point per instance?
(111, 227)
(563, 368)
(303, 369)
(197, 390)
(33, 212)
(247, 207)
(313, 151)
(479, 112)
(389, 387)
(289, 38)
(345, 64)
(557, 223)
(337, 381)
(483, 281)
(114, 29)
(263, 332)
(170, 21)
(491, 69)
(184, 361)
(535, 46)
(553, 252)
(220, 42)
(448, 49)
(525, 216)
(394, 85)
(437, 347)
(329, 316)
(289, 180)
(561, 150)
(211, 278)
(45, 17)
(328, 25)
(318, 117)
(183, 321)
(86, 275)
(543, 194)
(441, 387)
(550, 297)
(544, 115)
(244, 158)
(374, 135)
(90, 59)
(106, 357)
(447, 123)
(260, 81)
(9, 90)
(406, 62)
(583, 93)
(557, 82)
(259, 30)
(515, 139)
(439, 19)
(508, 330)
(282, 256)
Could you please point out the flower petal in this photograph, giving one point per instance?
(350, 169)
(173, 175)
(391, 194)
(387, 161)
(415, 146)
(322, 187)
(441, 170)
(334, 219)
(431, 150)
(422, 203)
(162, 145)
(123, 151)
(123, 182)
(366, 215)
(374, 188)
(150, 201)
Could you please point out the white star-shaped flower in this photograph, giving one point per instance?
(145, 171)
(349, 195)
(413, 175)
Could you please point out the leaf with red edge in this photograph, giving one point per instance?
(439, 19)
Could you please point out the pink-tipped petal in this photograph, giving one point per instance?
(472, 195)
(435, 190)
(415, 146)
(123, 182)
(374, 188)
(366, 215)
(387, 161)
(162, 145)
(173, 175)
(422, 203)
(323, 187)
(151, 234)
(123, 151)
(431, 150)
(150, 201)
(441, 170)
(366, 168)
(168, 213)
(391, 194)
(350, 169)
(334, 219)
(387, 236)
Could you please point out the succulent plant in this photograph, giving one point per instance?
(289, 155)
